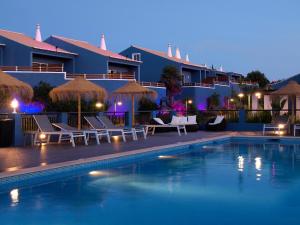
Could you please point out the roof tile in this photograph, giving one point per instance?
(165, 55)
(95, 49)
(30, 42)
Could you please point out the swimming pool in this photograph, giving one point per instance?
(222, 183)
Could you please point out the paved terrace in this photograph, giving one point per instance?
(16, 159)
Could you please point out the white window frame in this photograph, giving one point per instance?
(136, 56)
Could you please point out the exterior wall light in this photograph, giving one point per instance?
(14, 104)
(258, 95)
(241, 95)
(99, 105)
(42, 136)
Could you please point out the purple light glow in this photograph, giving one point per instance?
(201, 106)
(33, 107)
(179, 107)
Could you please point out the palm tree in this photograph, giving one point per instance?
(172, 78)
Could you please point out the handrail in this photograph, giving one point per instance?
(114, 76)
(151, 84)
(40, 68)
(190, 84)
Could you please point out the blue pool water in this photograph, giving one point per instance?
(231, 183)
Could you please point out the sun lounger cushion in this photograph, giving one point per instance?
(159, 121)
(175, 120)
(218, 120)
(183, 120)
(179, 120)
(192, 119)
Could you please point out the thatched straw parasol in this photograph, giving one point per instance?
(292, 90)
(132, 90)
(78, 89)
(12, 87)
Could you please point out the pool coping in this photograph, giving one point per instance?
(107, 157)
(38, 169)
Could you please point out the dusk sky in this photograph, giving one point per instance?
(240, 35)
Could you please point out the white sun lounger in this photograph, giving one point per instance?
(296, 127)
(217, 121)
(161, 124)
(96, 124)
(277, 126)
(84, 133)
(109, 125)
(46, 128)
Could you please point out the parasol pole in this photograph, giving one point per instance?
(132, 109)
(293, 108)
(79, 111)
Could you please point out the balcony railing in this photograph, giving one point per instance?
(211, 84)
(197, 84)
(151, 84)
(41, 68)
(112, 76)
(246, 82)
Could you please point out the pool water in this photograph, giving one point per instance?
(231, 183)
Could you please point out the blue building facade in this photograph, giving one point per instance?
(94, 60)
(199, 82)
(155, 61)
(108, 69)
(60, 59)
(17, 49)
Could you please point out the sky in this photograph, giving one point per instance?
(240, 35)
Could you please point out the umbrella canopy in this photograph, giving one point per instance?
(131, 90)
(12, 87)
(78, 89)
(292, 89)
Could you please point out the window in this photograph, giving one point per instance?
(136, 56)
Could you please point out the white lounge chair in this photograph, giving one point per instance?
(277, 126)
(216, 124)
(176, 123)
(296, 127)
(46, 128)
(109, 125)
(85, 133)
(217, 121)
(96, 124)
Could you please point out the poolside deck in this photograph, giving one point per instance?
(16, 159)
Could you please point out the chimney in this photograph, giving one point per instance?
(170, 50)
(221, 68)
(102, 43)
(38, 36)
(187, 58)
(177, 55)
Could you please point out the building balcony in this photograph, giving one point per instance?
(35, 68)
(152, 84)
(109, 76)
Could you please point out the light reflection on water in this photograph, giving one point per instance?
(229, 180)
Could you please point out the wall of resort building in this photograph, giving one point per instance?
(58, 78)
(154, 62)
(93, 60)
(79, 57)
(193, 75)
(199, 94)
(1, 53)
(19, 50)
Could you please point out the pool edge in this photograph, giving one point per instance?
(39, 169)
